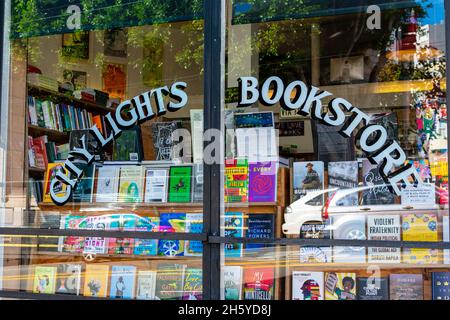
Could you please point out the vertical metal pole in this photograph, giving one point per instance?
(214, 21)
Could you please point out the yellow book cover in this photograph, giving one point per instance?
(420, 256)
(340, 286)
(131, 184)
(44, 279)
(60, 188)
(420, 227)
(96, 280)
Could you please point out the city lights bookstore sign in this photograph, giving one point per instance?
(296, 96)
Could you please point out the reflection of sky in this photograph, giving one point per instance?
(435, 14)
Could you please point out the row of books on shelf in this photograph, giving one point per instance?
(313, 285)
(310, 176)
(61, 117)
(41, 151)
(168, 282)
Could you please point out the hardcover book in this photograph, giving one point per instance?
(340, 286)
(170, 281)
(234, 228)
(193, 285)
(96, 280)
(315, 254)
(130, 186)
(194, 224)
(156, 181)
(83, 190)
(180, 184)
(95, 245)
(59, 188)
(371, 178)
(406, 287)
(259, 226)
(258, 283)
(146, 285)
(420, 227)
(171, 222)
(355, 230)
(69, 279)
(146, 247)
(44, 279)
(373, 288)
(107, 184)
(122, 282)
(440, 285)
(262, 185)
(121, 222)
(197, 194)
(232, 282)
(384, 228)
(308, 177)
(236, 180)
(307, 285)
(344, 175)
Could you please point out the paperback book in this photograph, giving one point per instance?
(420, 227)
(122, 282)
(378, 192)
(193, 285)
(84, 189)
(308, 177)
(59, 188)
(258, 283)
(107, 184)
(232, 282)
(130, 186)
(259, 226)
(315, 254)
(194, 224)
(384, 228)
(96, 280)
(69, 279)
(344, 175)
(72, 244)
(44, 279)
(95, 245)
(406, 286)
(119, 246)
(171, 222)
(234, 228)
(262, 186)
(146, 285)
(170, 281)
(128, 146)
(146, 247)
(236, 180)
(340, 286)
(163, 139)
(180, 184)
(156, 181)
(440, 285)
(373, 288)
(307, 285)
(197, 194)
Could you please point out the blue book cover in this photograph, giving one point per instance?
(122, 282)
(259, 226)
(146, 247)
(194, 224)
(440, 285)
(234, 228)
(171, 222)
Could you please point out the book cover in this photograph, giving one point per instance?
(406, 287)
(234, 228)
(93, 146)
(371, 178)
(44, 279)
(156, 181)
(232, 282)
(345, 229)
(197, 183)
(180, 184)
(421, 256)
(308, 177)
(130, 185)
(384, 228)
(373, 288)
(95, 245)
(163, 139)
(171, 222)
(68, 280)
(122, 222)
(170, 281)
(307, 285)
(440, 284)
(262, 185)
(259, 226)
(344, 175)
(146, 285)
(315, 254)
(258, 283)
(197, 134)
(236, 180)
(122, 282)
(193, 285)
(83, 190)
(107, 184)
(96, 280)
(72, 244)
(420, 227)
(146, 247)
(194, 224)
(127, 147)
(254, 120)
(340, 286)
(59, 188)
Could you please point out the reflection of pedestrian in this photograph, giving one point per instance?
(312, 179)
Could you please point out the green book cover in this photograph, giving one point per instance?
(180, 184)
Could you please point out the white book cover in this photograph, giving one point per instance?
(424, 193)
(197, 134)
(107, 184)
(307, 285)
(146, 285)
(131, 184)
(384, 228)
(95, 245)
(349, 228)
(194, 224)
(315, 255)
(232, 283)
(156, 181)
(257, 144)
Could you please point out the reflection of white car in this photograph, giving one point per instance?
(343, 218)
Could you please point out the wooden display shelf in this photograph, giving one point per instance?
(53, 135)
(88, 105)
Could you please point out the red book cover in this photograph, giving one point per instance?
(40, 152)
(258, 283)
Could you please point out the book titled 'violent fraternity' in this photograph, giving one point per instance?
(307, 285)
(385, 228)
(406, 286)
(262, 184)
(258, 283)
(373, 288)
(308, 177)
